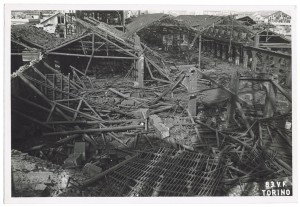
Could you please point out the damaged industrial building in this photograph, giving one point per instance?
(151, 105)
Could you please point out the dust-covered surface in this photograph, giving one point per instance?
(35, 177)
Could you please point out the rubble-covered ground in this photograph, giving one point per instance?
(247, 162)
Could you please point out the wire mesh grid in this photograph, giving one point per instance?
(167, 172)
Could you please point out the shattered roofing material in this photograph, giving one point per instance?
(17, 42)
(156, 20)
(99, 28)
(29, 33)
(143, 21)
(110, 29)
(104, 28)
(229, 29)
(201, 21)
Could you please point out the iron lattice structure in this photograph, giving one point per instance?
(167, 172)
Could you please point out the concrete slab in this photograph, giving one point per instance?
(161, 130)
(79, 148)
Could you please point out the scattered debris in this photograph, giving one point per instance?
(137, 120)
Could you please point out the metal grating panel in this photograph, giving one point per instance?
(167, 172)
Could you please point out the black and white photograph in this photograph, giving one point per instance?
(151, 102)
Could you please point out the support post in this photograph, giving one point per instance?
(234, 86)
(77, 110)
(209, 51)
(204, 46)
(237, 55)
(199, 57)
(139, 64)
(215, 50)
(192, 104)
(62, 86)
(245, 58)
(264, 62)
(140, 71)
(270, 100)
(230, 53)
(54, 82)
(288, 81)
(224, 52)
(254, 61)
(221, 51)
(277, 64)
(92, 55)
(254, 57)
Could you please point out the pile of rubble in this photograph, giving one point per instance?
(105, 127)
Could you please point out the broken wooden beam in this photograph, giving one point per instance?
(150, 72)
(93, 122)
(234, 86)
(245, 120)
(31, 119)
(270, 100)
(27, 82)
(224, 135)
(123, 96)
(284, 92)
(173, 86)
(30, 102)
(67, 79)
(161, 109)
(68, 42)
(195, 127)
(95, 56)
(92, 55)
(148, 140)
(101, 130)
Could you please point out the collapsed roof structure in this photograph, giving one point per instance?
(109, 103)
(200, 21)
